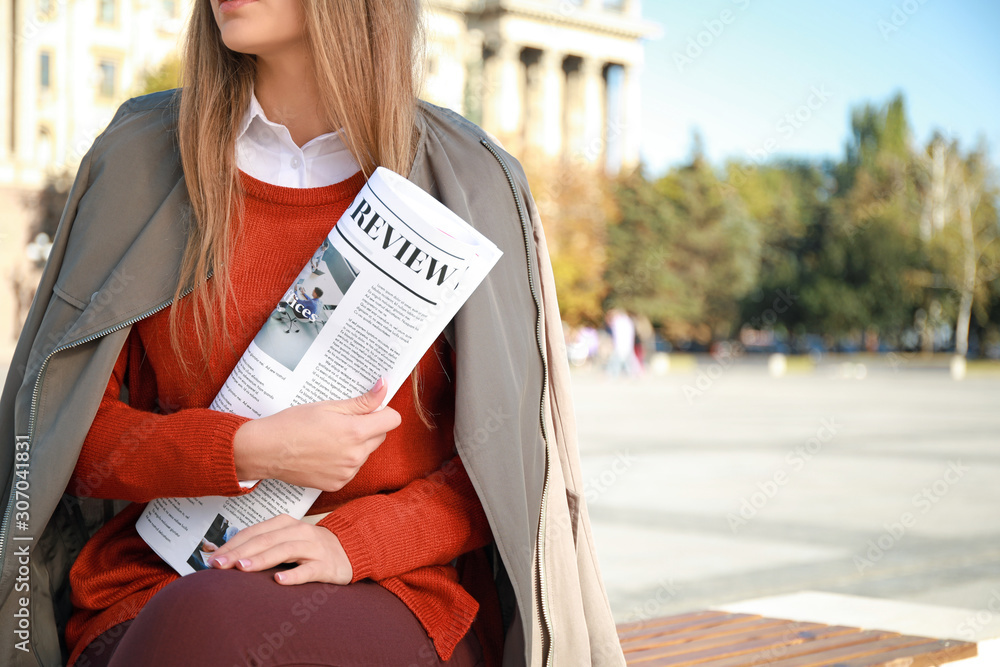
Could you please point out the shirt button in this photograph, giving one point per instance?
(295, 163)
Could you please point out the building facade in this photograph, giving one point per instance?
(549, 78)
(65, 66)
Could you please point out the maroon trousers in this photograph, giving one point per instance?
(227, 618)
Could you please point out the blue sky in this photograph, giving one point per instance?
(774, 58)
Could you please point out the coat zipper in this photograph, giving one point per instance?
(540, 559)
(37, 390)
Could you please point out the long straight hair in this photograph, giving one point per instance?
(364, 55)
(363, 51)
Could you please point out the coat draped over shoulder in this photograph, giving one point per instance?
(115, 260)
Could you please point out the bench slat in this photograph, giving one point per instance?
(870, 651)
(669, 620)
(920, 655)
(781, 651)
(692, 624)
(721, 639)
(668, 638)
(778, 633)
(754, 646)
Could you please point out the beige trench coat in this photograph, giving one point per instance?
(115, 261)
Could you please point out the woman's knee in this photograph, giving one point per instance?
(194, 606)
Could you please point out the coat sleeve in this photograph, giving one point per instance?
(601, 633)
(137, 454)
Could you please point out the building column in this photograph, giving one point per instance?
(631, 117)
(553, 82)
(8, 32)
(508, 91)
(632, 8)
(594, 109)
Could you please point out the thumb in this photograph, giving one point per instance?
(367, 402)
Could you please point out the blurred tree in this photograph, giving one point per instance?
(788, 199)
(682, 251)
(165, 76)
(962, 229)
(868, 268)
(882, 241)
(575, 203)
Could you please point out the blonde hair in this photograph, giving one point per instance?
(364, 54)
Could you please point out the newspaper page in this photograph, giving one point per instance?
(376, 294)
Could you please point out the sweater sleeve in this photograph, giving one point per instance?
(137, 455)
(430, 521)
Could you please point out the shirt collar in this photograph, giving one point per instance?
(253, 111)
(256, 122)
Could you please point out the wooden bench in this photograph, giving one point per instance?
(722, 639)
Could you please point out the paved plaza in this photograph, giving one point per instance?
(718, 483)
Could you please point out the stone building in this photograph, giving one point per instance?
(65, 66)
(555, 78)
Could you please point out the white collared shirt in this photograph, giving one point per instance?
(265, 150)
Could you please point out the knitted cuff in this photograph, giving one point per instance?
(355, 545)
(216, 459)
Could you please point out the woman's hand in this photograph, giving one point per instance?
(282, 539)
(317, 445)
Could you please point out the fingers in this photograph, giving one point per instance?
(282, 539)
(365, 403)
(367, 430)
(305, 573)
(381, 422)
(229, 553)
(256, 555)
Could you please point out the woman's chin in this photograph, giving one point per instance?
(241, 41)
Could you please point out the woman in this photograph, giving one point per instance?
(438, 544)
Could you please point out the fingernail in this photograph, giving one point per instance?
(219, 561)
(280, 576)
(378, 384)
(244, 563)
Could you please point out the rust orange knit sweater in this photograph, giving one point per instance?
(407, 514)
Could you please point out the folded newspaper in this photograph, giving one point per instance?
(380, 289)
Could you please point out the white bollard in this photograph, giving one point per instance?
(777, 365)
(958, 367)
(660, 363)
